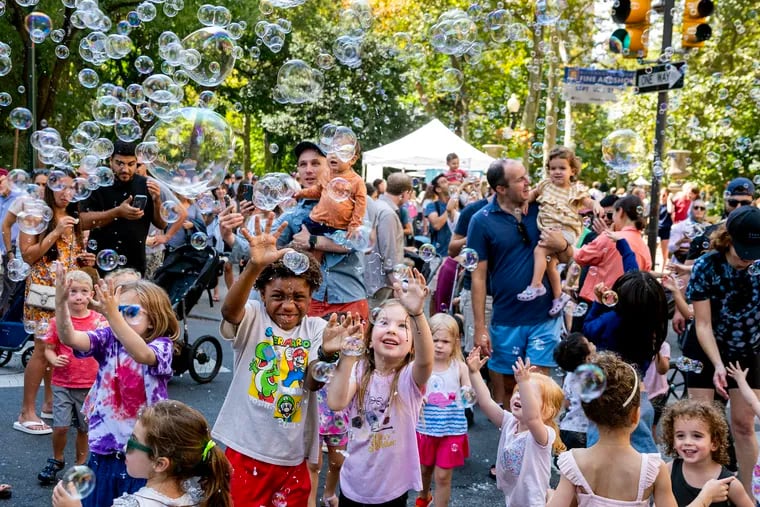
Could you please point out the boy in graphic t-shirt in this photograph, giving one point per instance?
(72, 377)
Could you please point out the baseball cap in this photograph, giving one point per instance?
(238, 174)
(744, 228)
(307, 145)
(3, 172)
(740, 186)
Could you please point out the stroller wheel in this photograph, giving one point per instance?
(205, 359)
(5, 357)
(26, 356)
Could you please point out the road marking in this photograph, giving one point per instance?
(14, 377)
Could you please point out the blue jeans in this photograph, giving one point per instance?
(641, 438)
(111, 479)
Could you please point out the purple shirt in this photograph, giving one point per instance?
(122, 387)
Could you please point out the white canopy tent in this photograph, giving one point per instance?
(425, 148)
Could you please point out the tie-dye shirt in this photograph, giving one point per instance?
(121, 388)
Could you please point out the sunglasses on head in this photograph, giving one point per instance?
(523, 233)
(735, 203)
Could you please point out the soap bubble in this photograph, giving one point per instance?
(623, 151)
(170, 211)
(590, 381)
(297, 262)
(376, 314)
(18, 179)
(339, 189)
(192, 150)
(353, 345)
(18, 270)
(38, 25)
(548, 12)
(274, 148)
(92, 245)
(609, 298)
(81, 190)
(272, 190)
(144, 64)
(88, 78)
(687, 364)
(453, 33)
(107, 259)
(199, 240)
(427, 252)
(20, 118)
(343, 143)
(451, 80)
(298, 83)
(105, 176)
(122, 260)
(580, 309)
(466, 397)
(468, 258)
(322, 371)
(31, 219)
(78, 481)
(56, 181)
(215, 47)
(347, 50)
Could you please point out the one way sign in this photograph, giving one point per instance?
(660, 77)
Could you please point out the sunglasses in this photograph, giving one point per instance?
(523, 233)
(130, 311)
(134, 445)
(735, 203)
(610, 215)
(700, 208)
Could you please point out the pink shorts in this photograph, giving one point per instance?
(443, 452)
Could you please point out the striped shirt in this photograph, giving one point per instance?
(441, 415)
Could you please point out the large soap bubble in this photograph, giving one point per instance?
(215, 47)
(454, 33)
(297, 83)
(623, 151)
(192, 150)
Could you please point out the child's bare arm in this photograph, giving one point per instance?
(564, 496)
(342, 386)
(313, 192)
(490, 408)
(54, 359)
(738, 495)
(360, 206)
(663, 491)
(464, 375)
(531, 403)
(662, 364)
(66, 333)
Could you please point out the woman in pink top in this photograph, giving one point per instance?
(603, 259)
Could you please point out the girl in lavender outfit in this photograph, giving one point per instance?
(135, 364)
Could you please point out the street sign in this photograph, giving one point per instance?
(660, 77)
(595, 86)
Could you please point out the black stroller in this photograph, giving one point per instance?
(185, 274)
(13, 336)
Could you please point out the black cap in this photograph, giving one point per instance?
(744, 228)
(740, 186)
(307, 145)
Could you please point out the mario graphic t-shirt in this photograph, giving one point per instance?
(265, 413)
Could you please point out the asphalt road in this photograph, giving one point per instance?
(25, 455)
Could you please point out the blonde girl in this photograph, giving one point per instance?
(170, 446)
(442, 429)
(134, 355)
(561, 197)
(695, 433)
(528, 431)
(611, 472)
(383, 391)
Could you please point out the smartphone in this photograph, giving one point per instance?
(139, 201)
(247, 192)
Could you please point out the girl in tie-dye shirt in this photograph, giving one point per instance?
(135, 356)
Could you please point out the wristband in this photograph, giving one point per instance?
(325, 358)
(312, 242)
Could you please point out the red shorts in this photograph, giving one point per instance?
(443, 452)
(258, 484)
(321, 308)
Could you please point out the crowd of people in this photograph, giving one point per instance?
(379, 353)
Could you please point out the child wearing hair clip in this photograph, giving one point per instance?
(611, 472)
(170, 447)
(269, 419)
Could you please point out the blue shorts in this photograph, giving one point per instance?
(535, 342)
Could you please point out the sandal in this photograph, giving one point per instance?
(5, 491)
(492, 472)
(558, 304)
(530, 293)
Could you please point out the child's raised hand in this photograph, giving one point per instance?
(411, 293)
(337, 331)
(669, 283)
(474, 360)
(62, 498)
(716, 490)
(61, 285)
(262, 245)
(735, 371)
(106, 299)
(522, 370)
(599, 290)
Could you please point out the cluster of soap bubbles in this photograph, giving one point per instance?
(361, 241)
(353, 24)
(339, 140)
(188, 152)
(589, 381)
(687, 364)
(503, 28)
(623, 151)
(108, 259)
(297, 83)
(273, 190)
(454, 33)
(272, 35)
(38, 25)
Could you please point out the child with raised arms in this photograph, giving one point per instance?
(695, 433)
(528, 431)
(269, 419)
(383, 391)
(611, 473)
(134, 354)
(442, 428)
(171, 448)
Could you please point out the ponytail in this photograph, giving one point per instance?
(215, 479)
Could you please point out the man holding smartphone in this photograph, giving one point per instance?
(119, 216)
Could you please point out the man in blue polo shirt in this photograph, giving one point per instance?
(504, 233)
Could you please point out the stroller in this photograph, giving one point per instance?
(185, 274)
(13, 336)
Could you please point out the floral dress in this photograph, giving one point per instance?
(43, 272)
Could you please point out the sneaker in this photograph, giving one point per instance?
(558, 304)
(531, 293)
(49, 474)
(421, 502)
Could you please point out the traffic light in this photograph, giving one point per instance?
(632, 40)
(695, 29)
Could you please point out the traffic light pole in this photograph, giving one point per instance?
(659, 137)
